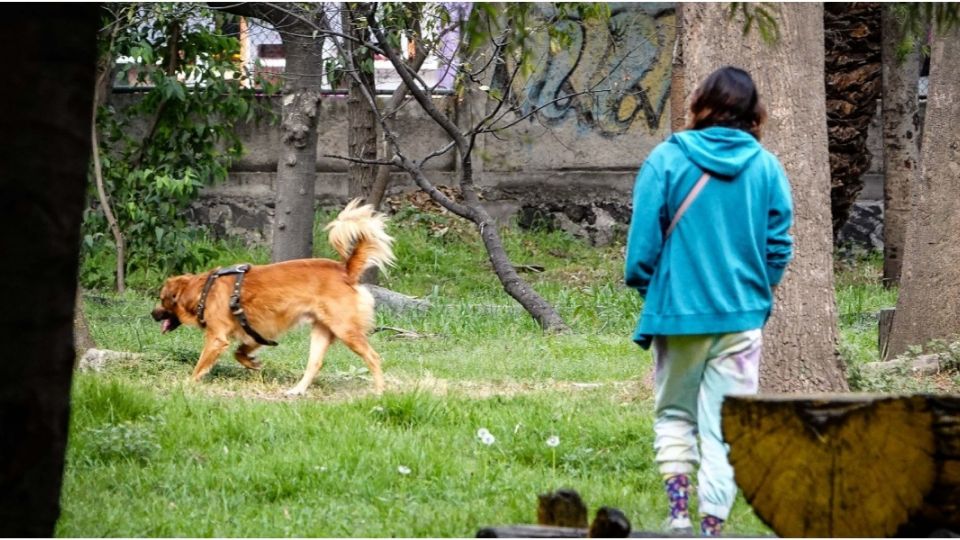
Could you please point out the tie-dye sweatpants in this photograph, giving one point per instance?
(693, 374)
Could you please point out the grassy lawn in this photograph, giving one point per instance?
(152, 455)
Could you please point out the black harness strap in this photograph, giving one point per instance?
(235, 308)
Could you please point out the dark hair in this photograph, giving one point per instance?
(727, 98)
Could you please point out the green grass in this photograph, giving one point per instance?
(153, 455)
(860, 296)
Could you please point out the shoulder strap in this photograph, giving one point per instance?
(697, 188)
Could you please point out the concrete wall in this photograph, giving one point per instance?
(575, 159)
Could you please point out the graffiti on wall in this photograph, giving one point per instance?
(617, 73)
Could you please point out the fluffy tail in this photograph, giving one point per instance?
(359, 237)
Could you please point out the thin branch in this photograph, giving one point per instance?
(361, 161)
(536, 110)
(99, 92)
(418, 93)
(439, 152)
(416, 171)
(274, 14)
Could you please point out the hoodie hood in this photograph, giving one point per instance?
(719, 150)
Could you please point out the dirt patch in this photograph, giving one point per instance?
(356, 387)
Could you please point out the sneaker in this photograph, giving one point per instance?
(711, 526)
(678, 526)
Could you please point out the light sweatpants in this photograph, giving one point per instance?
(693, 374)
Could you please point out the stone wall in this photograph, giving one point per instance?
(570, 165)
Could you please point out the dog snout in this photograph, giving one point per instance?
(159, 314)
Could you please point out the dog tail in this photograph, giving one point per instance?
(359, 236)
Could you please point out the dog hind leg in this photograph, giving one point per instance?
(357, 341)
(244, 355)
(212, 349)
(320, 339)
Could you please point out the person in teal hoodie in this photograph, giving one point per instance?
(708, 242)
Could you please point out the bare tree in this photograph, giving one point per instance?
(43, 175)
(463, 142)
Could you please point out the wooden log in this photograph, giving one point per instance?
(547, 531)
(562, 508)
(941, 508)
(848, 465)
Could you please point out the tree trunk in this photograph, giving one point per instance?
(930, 278)
(48, 96)
(82, 340)
(853, 66)
(801, 337)
(901, 131)
(361, 119)
(297, 166)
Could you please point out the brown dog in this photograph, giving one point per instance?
(274, 297)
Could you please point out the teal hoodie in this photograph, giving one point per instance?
(715, 272)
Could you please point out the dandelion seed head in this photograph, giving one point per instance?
(485, 436)
(403, 469)
(553, 441)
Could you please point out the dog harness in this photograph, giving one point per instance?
(235, 307)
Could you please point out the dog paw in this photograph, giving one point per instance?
(253, 365)
(296, 392)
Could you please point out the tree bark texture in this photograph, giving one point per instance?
(48, 96)
(361, 119)
(853, 66)
(927, 308)
(297, 166)
(901, 133)
(800, 341)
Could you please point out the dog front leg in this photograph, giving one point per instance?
(320, 339)
(212, 349)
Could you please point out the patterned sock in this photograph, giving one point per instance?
(711, 525)
(678, 493)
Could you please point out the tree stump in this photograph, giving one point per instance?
(884, 324)
(848, 465)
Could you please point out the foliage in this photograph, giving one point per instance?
(515, 25)
(159, 152)
(759, 14)
(919, 18)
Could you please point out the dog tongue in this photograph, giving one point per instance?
(165, 326)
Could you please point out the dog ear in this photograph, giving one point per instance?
(174, 286)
